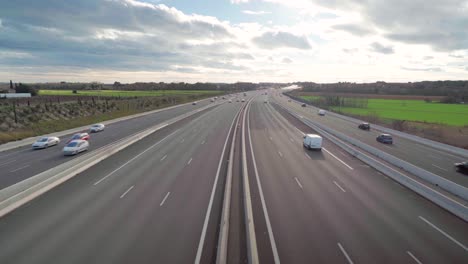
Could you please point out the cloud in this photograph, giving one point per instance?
(281, 39)
(350, 51)
(428, 57)
(354, 29)
(456, 56)
(428, 69)
(286, 60)
(239, 1)
(118, 34)
(250, 12)
(379, 48)
(439, 24)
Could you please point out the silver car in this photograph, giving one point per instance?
(45, 142)
(75, 147)
(97, 128)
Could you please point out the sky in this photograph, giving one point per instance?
(233, 40)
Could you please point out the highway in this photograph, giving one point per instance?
(423, 156)
(160, 199)
(146, 204)
(21, 163)
(327, 207)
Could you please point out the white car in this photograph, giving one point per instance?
(194, 103)
(97, 128)
(321, 112)
(45, 142)
(243, 100)
(312, 141)
(75, 147)
(212, 100)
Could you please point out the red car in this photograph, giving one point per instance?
(82, 136)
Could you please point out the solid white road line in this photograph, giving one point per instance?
(298, 183)
(165, 197)
(302, 133)
(339, 186)
(163, 158)
(134, 158)
(20, 168)
(190, 160)
(349, 167)
(292, 140)
(182, 141)
(262, 198)
(307, 156)
(413, 257)
(279, 153)
(203, 142)
(271, 138)
(443, 233)
(8, 162)
(210, 203)
(439, 167)
(121, 196)
(345, 254)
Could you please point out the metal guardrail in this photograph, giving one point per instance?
(438, 198)
(431, 143)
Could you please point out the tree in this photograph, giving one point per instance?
(11, 85)
(23, 88)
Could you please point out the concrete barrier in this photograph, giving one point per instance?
(438, 198)
(20, 193)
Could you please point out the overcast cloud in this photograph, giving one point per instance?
(264, 40)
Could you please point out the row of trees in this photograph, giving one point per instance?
(457, 89)
(239, 86)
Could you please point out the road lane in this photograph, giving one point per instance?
(415, 153)
(158, 220)
(374, 220)
(12, 162)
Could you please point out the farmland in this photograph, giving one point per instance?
(120, 93)
(409, 110)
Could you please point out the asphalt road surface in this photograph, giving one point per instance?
(146, 204)
(21, 163)
(431, 159)
(328, 207)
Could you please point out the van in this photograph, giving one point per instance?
(321, 112)
(312, 141)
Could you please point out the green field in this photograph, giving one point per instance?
(128, 93)
(410, 110)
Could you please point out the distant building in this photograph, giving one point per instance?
(15, 95)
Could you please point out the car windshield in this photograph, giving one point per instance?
(76, 136)
(43, 140)
(72, 144)
(96, 126)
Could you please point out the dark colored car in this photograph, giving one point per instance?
(79, 136)
(304, 105)
(385, 138)
(364, 126)
(462, 167)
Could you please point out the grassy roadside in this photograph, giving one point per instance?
(119, 93)
(409, 110)
(42, 119)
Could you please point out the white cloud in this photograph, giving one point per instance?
(250, 12)
(380, 48)
(281, 39)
